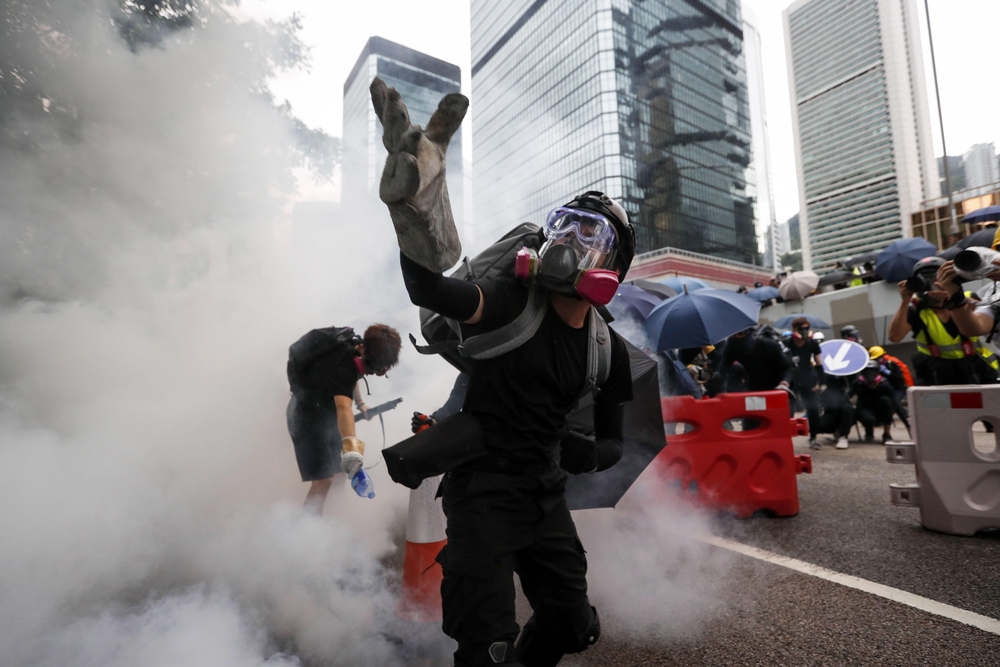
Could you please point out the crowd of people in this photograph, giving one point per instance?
(947, 323)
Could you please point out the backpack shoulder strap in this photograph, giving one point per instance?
(510, 336)
(598, 354)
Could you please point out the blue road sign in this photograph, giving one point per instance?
(843, 357)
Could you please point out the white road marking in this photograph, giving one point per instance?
(888, 592)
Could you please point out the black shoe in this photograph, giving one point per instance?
(869, 436)
(886, 438)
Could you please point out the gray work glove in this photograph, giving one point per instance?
(413, 182)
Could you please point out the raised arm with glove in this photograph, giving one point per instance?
(413, 182)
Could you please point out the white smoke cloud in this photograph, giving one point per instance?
(650, 576)
(150, 284)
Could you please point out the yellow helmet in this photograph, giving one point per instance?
(996, 238)
(875, 351)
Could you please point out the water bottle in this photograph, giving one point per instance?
(363, 484)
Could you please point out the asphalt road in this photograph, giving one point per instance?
(775, 616)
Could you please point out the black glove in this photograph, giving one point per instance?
(421, 421)
(578, 453)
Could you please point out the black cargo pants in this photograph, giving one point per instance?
(498, 525)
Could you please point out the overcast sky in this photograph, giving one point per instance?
(964, 37)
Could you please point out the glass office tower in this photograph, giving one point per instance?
(422, 80)
(646, 101)
(861, 123)
(763, 195)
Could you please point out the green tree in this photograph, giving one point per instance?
(792, 261)
(130, 125)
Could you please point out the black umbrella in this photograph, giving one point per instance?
(644, 439)
(983, 238)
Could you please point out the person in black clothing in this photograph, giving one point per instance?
(506, 511)
(802, 376)
(319, 415)
(836, 414)
(763, 363)
(875, 402)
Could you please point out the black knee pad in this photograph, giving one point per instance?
(542, 646)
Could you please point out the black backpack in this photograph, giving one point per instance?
(312, 347)
(444, 335)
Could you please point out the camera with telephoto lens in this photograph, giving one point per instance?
(976, 263)
(919, 284)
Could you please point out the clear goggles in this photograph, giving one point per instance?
(593, 229)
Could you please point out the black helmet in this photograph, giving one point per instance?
(928, 265)
(850, 332)
(599, 202)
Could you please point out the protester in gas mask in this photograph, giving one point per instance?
(508, 509)
(852, 333)
(324, 368)
(506, 506)
(805, 372)
(932, 306)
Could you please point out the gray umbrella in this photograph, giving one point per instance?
(798, 285)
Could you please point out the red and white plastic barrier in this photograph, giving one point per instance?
(958, 471)
(420, 598)
(739, 470)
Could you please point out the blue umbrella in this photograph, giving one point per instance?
(896, 262)
(814, 322)
(631, 298)
(762, 294)
(677, 283)
(703, 317)
(981, 215)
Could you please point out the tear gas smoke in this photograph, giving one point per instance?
(151, 279)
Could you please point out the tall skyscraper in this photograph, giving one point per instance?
(981, 166)
(422, 80)
(861, 123)
(646, 101)
(763, 197)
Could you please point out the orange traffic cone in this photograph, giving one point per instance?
(420, 599)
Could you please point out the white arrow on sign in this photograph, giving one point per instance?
(838, 362)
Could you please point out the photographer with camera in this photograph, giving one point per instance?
(935, 309)
(973, 319)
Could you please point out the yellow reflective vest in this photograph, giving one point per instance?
(935, 341)
(857, 279)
